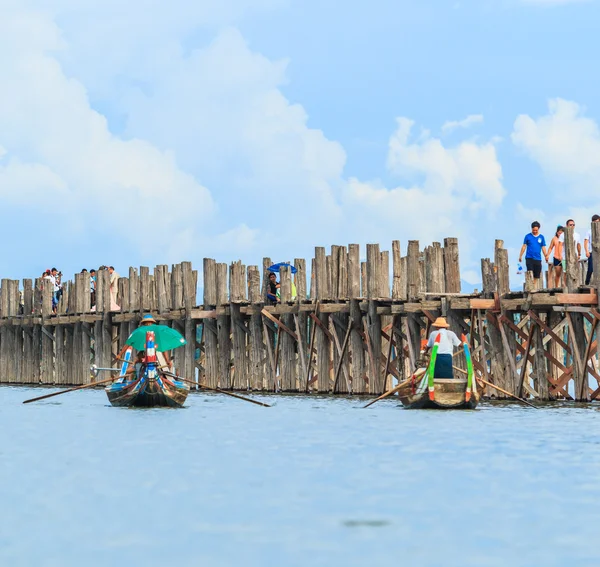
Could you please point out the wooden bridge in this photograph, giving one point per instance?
(354, 327)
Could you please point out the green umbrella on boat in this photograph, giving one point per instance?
(166, 338)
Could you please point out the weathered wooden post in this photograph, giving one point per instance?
(269, 333)
(189, 278)
(488, 277)
(339, 328)
(223, 327)
(501, 267)
(322, 340)
(356, 342)
(451, 265)
(27, 374)
(301, 321)
(47, 368)
(287, 349)
(257, 347)
(210, 324)
(373, 320)
(237, 297)
(576, 327)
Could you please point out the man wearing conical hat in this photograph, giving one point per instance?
(448, 340)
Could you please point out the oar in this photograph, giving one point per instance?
(395, 389)
(497, 388)
(217, 390)
(507, 393)
(70, 390)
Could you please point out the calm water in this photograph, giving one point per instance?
(310, 481)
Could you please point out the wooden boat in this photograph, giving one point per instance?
(150, 389)
(428, 392)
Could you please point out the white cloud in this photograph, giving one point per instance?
(173, 135)
(566, 145)
(454, 186)
(465, 123)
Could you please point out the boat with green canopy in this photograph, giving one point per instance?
(144, 383)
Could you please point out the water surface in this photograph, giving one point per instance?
(311, 481)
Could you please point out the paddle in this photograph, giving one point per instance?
(396, 388)
(217, 390)
(70, 390)
(507, 393)
(497, 388)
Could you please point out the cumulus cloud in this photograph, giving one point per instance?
(465, 123)
(451, 186)
(565, 144)
(165, 130)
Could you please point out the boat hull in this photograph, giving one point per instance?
(448, 394)
(148, 393)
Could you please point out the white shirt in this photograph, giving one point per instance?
(448, 340)
(576, 239)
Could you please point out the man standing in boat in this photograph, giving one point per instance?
(448, 340)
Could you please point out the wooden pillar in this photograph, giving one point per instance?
(223, 328)
(268, 333)
(6, 346)
(398, 292)
(499, 368)
(374, 319)
(488, 277)
(384, 276)
(451, 265)
(287, 349)
(209, 328)
(301, 322)
(434, 268)
(37, 333)
(47, 336)
(237, 294)
(102, 328)
(414, 273)
(189, 278)
(501, 265)
(257, 347)
(353, 270)
(577, 339)
(27, 365)
(321, 340)
(539, 365)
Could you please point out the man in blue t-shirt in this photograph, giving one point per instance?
(535, 244)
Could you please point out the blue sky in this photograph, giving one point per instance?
(146, 133)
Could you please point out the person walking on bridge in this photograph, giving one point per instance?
(534, 244)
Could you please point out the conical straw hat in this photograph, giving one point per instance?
(440, 322)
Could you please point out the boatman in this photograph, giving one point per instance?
(163, 357)
(448, 340)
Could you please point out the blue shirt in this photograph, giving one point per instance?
(534, 246)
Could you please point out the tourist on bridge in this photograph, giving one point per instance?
(534, 245)
(557, 258)
(587, 246)
(272, 288)
(576, 240)
(448, 340)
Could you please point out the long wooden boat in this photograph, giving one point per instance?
(429, 392)
(150, 389)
